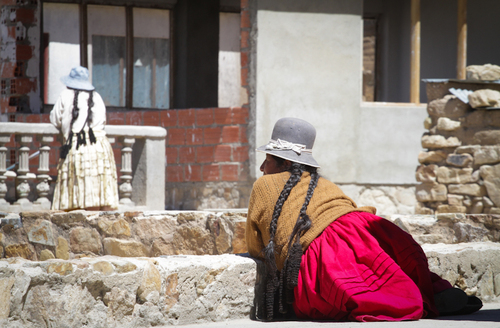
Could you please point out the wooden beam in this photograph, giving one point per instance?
(84, 59)
(462, 39)
(129, 61)
(415, 52)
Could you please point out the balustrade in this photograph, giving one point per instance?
(45, 132)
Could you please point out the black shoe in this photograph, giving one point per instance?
(450, 301)
(474, 304)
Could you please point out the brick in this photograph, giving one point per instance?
(205, 154)
(229, 172)
(25, 15)
(7, 69)
(4, 105)
(186, 117)
(230, 134)
(187, 155)
(222, 116)
(24, 85)
(245, 19)
(168, 118)
(222, 153)
(212, 135)
(24, 52)
(240, 115)
(204, 116)
(244, 59)
(243, 134)
(194, 136)
(44, 118)
(176, 136)
(245, 37)
(151, 118)
(244, 77)
(243, 173)
(33, 118)
(244, 4)
(175, 173)
(115, 118)
(211, 172)
(240, 154)
(193, 173)
(171, 153)
(133, 118)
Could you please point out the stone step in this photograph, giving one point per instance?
(111, 291)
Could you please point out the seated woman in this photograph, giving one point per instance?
(329, 259)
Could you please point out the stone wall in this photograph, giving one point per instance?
(460, 166)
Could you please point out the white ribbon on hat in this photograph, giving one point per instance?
(286, 145)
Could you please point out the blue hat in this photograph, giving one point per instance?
(78, 79)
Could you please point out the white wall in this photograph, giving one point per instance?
(309, 65)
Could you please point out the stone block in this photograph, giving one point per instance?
(428, 192)
(445, 124)
(489, 137)
(471, 189)
(84, 240)
(453, 175)
(431, 157)
(448, 106)
(124, 248)
(460, 160)
(491, 177)
(426, 173)
(487, 155)
(484, 98)
(437, 141)
(487, 72)
(41, 233)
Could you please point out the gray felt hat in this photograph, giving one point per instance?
(292, 139)
(78, 79)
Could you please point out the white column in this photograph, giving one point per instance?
(23, 172)
(43, 176)
(4, 138)
(126, 172)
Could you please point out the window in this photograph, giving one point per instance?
(127, 51)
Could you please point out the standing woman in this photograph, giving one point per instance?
(326, 258)
(86, 176)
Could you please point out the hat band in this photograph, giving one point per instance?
(286, 145)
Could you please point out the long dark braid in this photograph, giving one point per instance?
(292, 263)
(90, 116)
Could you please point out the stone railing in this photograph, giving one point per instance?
(143, 156)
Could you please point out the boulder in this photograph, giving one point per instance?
(487, 72)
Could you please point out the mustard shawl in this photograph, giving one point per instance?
(327, 204)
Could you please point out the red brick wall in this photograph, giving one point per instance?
(202, 145)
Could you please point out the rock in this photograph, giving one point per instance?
(437, 141)
(124, 248)
(171, 292)
(487, 72)
(448, 106)
(62, 249)
(429, 157)
(6, 284)
(455, 200)
(471, 189)
(123, 267)
(431, 192)
(22, 250)
(12, 219)
(18, 292)
(420, 208)
(489, 137)
(487, 202)
(477, 207)
(84, 240)
(114, 228)
(445, 124)
(428, 123)
(120, 302)
(41, 233)
(491, 177)
(453, 175)
(426, 173)
(104, 267)
(467, 233)
(484, 98)
(69, 218)
(223, 233)
(487, 155)
(494, 210)
(61, 268)
(451, 209)
(239, 240)
(46, 254)
(460, 160)
(468, 149)
(151, 282)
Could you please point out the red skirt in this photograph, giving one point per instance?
(365, 268)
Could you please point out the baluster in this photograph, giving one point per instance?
(126, 172)
(43, 176)
(4, 139)
(23, 172)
